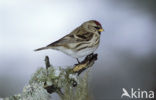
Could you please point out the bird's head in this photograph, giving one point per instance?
(93, 26)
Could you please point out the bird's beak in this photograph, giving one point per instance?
(100, 30)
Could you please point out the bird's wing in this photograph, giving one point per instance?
(63, 41)
(78, 35)
(85, 36)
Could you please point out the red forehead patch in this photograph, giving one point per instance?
(97, 23)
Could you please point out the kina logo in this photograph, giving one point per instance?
(140, 94)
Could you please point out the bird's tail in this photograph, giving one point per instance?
(41, 48)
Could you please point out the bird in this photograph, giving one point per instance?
(82, 41)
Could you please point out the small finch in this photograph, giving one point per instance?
(82, 41)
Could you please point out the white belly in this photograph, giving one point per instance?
(79, 54)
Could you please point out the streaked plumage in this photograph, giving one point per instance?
(81, 42)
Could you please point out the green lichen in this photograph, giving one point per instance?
(35, 92)
(15, 97)
(31, 92)
(80, 92)
(64, 79)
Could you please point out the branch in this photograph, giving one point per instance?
(86, 63)
(46, 81)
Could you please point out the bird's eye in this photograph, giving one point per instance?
(97, 27)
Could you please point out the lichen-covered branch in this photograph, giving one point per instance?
(70, 73)
(86, 63)
(46, 81)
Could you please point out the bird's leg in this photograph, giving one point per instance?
(78, 60)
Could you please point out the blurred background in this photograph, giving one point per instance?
(126, 55)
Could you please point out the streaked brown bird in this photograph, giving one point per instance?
(82, 41)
